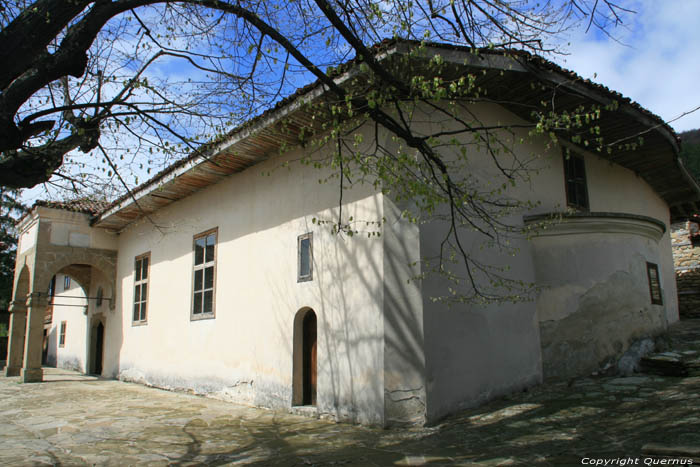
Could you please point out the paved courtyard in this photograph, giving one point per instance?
(77, 420)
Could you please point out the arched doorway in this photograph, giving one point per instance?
(304, 358)
(97, 350)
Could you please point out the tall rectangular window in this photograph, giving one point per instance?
(305, 257)
(141, 266)
(575, 178)
(66, 282)
(62, 335)
(204, 276)
(654, 284)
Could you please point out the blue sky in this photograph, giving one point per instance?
(656, 61)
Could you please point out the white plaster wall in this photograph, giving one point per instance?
(73, 355)
(245, 353)
(476, 352)
(73, 229)
(28, 236)
(405, 392)
(614, 188)
(473, 352)
(596, 298)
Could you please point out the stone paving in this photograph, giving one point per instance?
(78, 420)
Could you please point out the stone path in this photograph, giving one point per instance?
(78, 420)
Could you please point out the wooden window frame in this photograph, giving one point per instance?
(310, 276)
(203, 266)
(143, 317)
(655, 300)
(62, 334)
(576, 179)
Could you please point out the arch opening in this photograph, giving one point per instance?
(304, 358)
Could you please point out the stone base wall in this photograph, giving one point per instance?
(686, 258)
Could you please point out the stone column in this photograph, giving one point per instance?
(31, 370)
(15, 348)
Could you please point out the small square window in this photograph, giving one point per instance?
(654, 284)
(305, 254)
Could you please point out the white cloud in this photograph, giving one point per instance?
(657, 64)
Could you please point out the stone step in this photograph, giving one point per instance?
(688, 453)
(664, 364)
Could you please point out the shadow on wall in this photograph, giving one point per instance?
(346, 294)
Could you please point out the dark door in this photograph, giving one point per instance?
(45, 349)
(309, 359)
(99, 344)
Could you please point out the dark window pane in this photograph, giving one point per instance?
(197, 307)
(305, 257)
(143, 311)
(137, 293)
(209, 278)
(136, 311)
(208, 301)
(199, 251)
(575, 177)
(211, 240)
(198, 280)
(144, 267)
(144, 292)
(137, 267)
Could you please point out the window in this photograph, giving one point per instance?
(305, 257)
(141, 265)
(654, 284)
(52, 289)
(62, 335)
(204, 275)
(66, 282)
(575, 178)
(100, 294)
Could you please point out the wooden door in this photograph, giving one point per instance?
(309, 357)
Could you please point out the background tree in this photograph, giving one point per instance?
(690, 152)
(138, 83)
(10, 210)
(174, 74)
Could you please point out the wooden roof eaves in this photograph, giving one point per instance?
(225, 146)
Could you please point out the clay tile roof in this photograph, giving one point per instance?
(84, 205)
